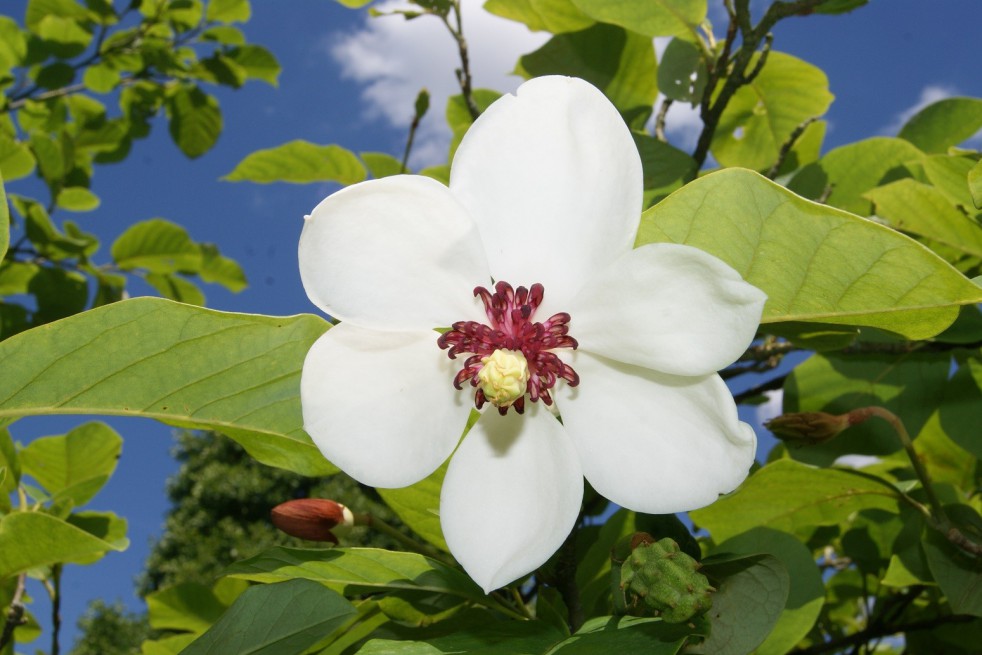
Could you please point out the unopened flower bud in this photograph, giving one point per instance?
(808, 428)
(313, 519)
(504, 376)
(655, 578)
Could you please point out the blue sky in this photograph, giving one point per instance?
(351, 80)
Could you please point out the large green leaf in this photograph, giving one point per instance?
(418, 506)
(816, 263)
(195, 120)
(806, 593)
(852, 170)
(794, 498)
(556, 16)
(910, 385)
(278, 619)
(188, 606)
(943, 124)
(299, 162)
(747, 604)
(357, 570)
(74, 466)
(924, 210)
(157, 245)
(237, 374)
(950, 174)
(30, 539)
(650, 18)
(618, 62)
(761, 115)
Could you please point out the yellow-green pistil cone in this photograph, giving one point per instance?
(504, 376)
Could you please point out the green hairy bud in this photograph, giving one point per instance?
(655, 578)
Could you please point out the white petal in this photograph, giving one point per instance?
(381, 405)
(396, 253)
(668, 307)
(655, 443)
(553, 179)
(511, 495)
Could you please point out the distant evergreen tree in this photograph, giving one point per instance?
(221, 499)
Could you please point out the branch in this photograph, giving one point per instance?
(660, 119)
(464, 72)
(788, 145)
(15, 615)
(876, 631)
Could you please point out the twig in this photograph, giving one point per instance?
(464, 72)
(660, 119)
(788, 145)
(15, 615)
(55, 608)
(873, 632)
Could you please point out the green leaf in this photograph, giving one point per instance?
(354, 4)
(794, 498)
(13, 45)
(278, 619)
(16, 159)
(187, 606)
(943, 124)
(228, 11)
(418, 506)
(806, 593)
(4, 221)
(618, 62)
(957, 573)
(911, 386)
(959, 412)
(459, 117)
(257, 62)
(195, 120)
(237, 374)
(104, 525)
(682, 71)
(66, 36)
(358, 570)
(950, 175)
(11, 466)
(381, 164)
(816, 264)
(221, 270)
(923, 210)
(74, 465)
(650, 18)
(624, 634)
(299, 162)
(975, 184)
(665, 167)
(762, 115)
(175, 287)
(31, 539)
(556, 16)
(157, 245)
(77, 199)
(747, 604)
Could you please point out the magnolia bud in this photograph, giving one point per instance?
(311, 518)
(808, 428)
(655, 578)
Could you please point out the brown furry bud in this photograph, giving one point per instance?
(313, 519)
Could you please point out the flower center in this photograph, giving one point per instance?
(510, 356)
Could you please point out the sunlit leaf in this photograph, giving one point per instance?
(187, 606)
(276, 619)
(195, 120)
(650, 18)
(77, 199)
(556, 16)
(300, 162)
(176, 287)
(682, 71)
(16, 159)
(816, 263)
(381, 164)
(794, 498)
(221, 270)
(975, 184)
(943, 124)
(950, 175)
(229, 11)
(459, 118)
(30, 539)
(762, 114)
(237, 374)
(257, 62)
(74, 465)
(157, 245)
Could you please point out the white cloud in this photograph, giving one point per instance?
(929, 95)
(395, 58)
(772, 408)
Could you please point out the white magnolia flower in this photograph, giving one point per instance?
(545, 191)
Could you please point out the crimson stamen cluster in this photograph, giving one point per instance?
(511, 327)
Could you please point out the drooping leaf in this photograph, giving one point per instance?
(923, 210)
(157, 245)
(74, 465)
(806, 593)
(195, 120)
(943, 124)
(816, 263)
(237, 374)
(556, 16)
(30, 539)
(762, 115)
(682, 71)
(299, 162)
(651, 18)
(618, 62)
(358, 570)
(794, 498)
(277, 619)
(381, 164)
(747, 604)
(418, 506)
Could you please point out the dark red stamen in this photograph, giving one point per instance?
(510, 327)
